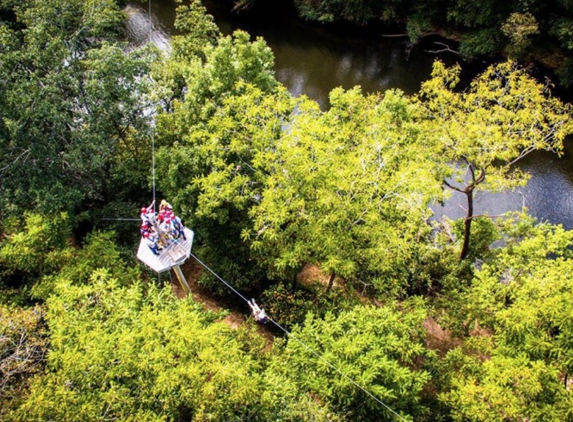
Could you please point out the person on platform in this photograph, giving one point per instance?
(147, 214)
(151, 239)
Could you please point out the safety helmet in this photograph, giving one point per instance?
(143, 210)
(163, 202)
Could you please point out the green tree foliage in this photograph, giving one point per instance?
(519, 28)
(354, 11)
(290, 306)
(99, 251)
(71, 101)
(516, 355)
(197, 82)
(225, 104)
(135, 353)
(215, 175)
(524, 293)
(481, 132)
(480, 42)
(38, 250)
(33, 246)
(378, 348)
(199, 30)
(343, 191)
(506, 388)
(485, 28)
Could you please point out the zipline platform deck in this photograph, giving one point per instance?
(171, 256)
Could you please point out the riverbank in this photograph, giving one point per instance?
(544, 59)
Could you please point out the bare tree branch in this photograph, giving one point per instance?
(453, 187)
(27, 152)
(446, 49)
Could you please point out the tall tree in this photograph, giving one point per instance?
(71, 103)
(222, 104)
(482, 131)
(346, 190)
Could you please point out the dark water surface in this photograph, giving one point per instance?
(312, 59)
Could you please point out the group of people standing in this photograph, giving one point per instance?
(160, 229)
(164, 228)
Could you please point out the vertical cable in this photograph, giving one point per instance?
(153, 164)
(152, 125)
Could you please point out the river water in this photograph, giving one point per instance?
(312, 59)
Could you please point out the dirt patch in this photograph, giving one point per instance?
(238, 310)
(437, 338)
(192, 270)
(311, 274)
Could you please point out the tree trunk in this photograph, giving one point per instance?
(468, 223)
(468, 191)
(330, 281)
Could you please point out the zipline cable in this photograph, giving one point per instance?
(121, 219)
(213, 272)
(337, 370)
(302, 343)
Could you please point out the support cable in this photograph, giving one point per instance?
(303, 344)
(150, 19)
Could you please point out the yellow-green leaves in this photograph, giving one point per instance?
(500, 118)
(518, 356)
(34, 244)
(131, 353)
(376, 347)
(346, 189)
(478, 134)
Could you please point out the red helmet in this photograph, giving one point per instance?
(143, 211)
(167, 221)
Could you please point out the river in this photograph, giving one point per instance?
(312, 59)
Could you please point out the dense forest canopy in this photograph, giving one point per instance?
(323, 216)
